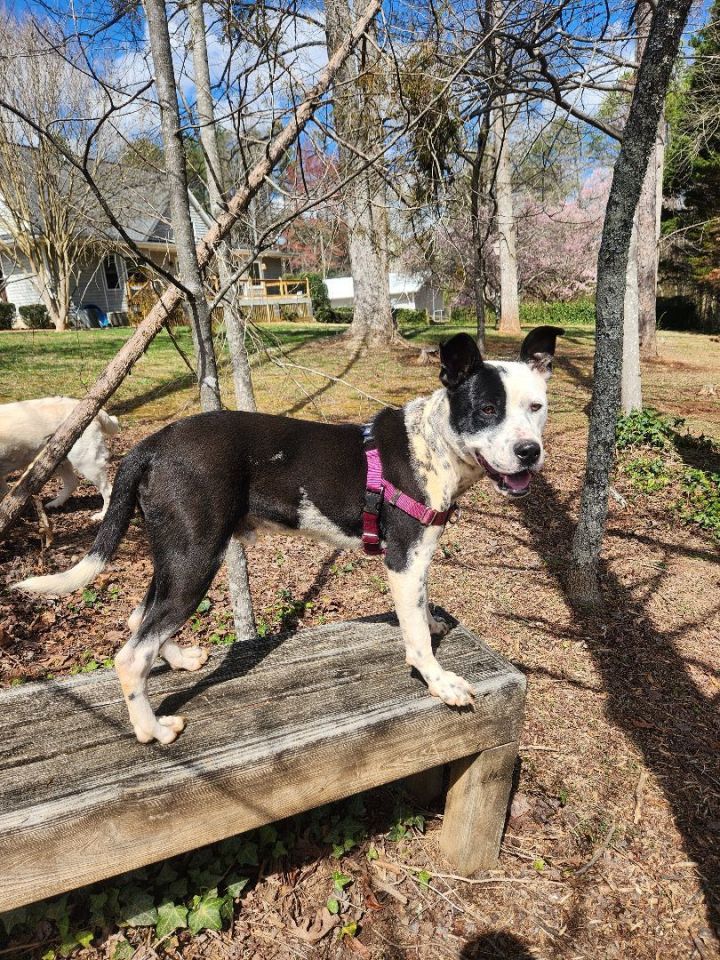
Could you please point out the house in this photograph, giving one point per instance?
(108, 280)
(407, 291)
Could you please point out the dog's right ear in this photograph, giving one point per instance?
(459, 358)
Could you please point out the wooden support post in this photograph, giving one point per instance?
(475, 808)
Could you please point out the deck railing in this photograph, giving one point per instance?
(275, 290)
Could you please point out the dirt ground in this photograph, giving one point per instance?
(612, 849)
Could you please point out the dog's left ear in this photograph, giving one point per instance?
(538, 349)
(459, 358)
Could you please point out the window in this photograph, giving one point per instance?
(112, 273)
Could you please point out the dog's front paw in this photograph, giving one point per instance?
(54, 504)
(451, 689)
(100, 515)
(164, 730)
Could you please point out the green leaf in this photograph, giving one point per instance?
(203, 606)
(423, 878)
(350, 929)
(49, 955)
(139, 909)
(341, 880)
(333, 905)
(206, 915)
(84, 937)
(89, 596)
(372, 854)
(539, 864)
(235, 887)
(123, 950)
(171, 917)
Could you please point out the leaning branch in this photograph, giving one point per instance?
(112, 376)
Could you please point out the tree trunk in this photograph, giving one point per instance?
(631, 387)
(649, 215)
(478, 238)
(360, 130)
(638, 139)
(235, 559)
(509, 320)
(176, 174)
(114, 373)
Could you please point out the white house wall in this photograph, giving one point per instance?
(90, 287)
(20, 282)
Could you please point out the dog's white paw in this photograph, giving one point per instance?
(99, 515)
(54, 504)
(451, 689)
(165, 730)
(190, 658)
(438, 626)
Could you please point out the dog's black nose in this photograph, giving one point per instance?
(527, 452)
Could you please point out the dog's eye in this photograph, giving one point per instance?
(489, 410)
(535, 407)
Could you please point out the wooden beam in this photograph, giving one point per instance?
(274, 728)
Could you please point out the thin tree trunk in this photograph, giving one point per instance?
(476, 190)
(176, 173)
(114, 373)
(638, 139)
(648, 216)
(509, 320)
(359, 128)
(631, 387)
(235, 559)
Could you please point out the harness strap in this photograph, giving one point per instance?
(377, 489)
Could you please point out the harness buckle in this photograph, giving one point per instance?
(373, 501)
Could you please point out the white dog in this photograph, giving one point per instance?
(26, 426)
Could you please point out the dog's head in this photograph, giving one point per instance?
(498, 410)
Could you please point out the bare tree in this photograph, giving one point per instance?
(184, 235)
(62, 440)
(358, 129)
(235, 559)
(509, 319)
(639, 137)
(47, 211)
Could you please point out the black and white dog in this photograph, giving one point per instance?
(202, 480)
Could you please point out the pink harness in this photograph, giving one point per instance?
(379, 489)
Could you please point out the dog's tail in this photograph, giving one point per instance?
(109, 425)
(112, 529)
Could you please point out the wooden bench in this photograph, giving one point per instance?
(274, 728)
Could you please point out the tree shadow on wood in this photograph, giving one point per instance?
(652, 697)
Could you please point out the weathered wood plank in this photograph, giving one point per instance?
(274, 728)
(475, 808)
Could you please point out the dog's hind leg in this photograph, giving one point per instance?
(409, 591)
(69, 482)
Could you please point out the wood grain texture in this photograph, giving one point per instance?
(475, 808)
(274, 728)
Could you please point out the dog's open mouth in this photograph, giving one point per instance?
(509, 484)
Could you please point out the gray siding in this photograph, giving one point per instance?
(91, 288)
(20, 282)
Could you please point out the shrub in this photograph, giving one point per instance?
(342, 314)
(557, 313)
(322, 310)
(7, 315)
(35, 316)
(406, 317)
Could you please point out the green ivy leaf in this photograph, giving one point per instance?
(206, 915)
(235, 887)
(139, 909)
(203, 606)
(424, 878)
(123, 950)
(349, 930)
(49, 955)
(333, 905)
(84, 937)
(372, 854)
(171, 917)
(341, 880)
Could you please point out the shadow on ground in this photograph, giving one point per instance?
(651, 695)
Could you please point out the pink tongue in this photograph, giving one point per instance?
(517, 481)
